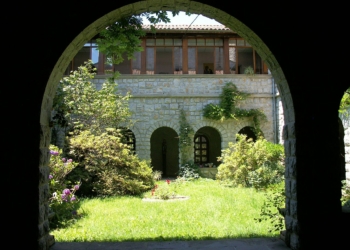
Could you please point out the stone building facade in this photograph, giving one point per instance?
(185, 68)
(157, 100)
(310, 134)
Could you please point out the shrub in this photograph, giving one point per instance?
(189, 171)
(251, 164)
(65, 204)
(111, 166)
(272, 209)
(345, 199)
(63, 201)
(59, 167)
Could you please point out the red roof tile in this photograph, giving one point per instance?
(183, 27)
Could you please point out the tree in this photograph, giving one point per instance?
(123, 37)
(106, 166)
(93, 115)
(79, 105)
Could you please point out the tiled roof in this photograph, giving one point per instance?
(184, 27)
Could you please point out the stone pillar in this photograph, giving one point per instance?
(345, 118)
(291, 219)
(44, 239)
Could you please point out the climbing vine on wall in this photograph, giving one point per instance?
(227, 108)
(185, 138)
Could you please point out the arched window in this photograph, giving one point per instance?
(201, 146)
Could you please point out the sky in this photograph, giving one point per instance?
(182, 18)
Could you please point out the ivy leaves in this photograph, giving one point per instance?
(185, 137)
(227, 109)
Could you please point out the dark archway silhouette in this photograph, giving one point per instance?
(310, 100)
(165, 151)
(249, 132)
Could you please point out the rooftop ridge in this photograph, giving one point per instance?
(203, 27)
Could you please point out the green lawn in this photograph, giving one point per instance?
(211, 212)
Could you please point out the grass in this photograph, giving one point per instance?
(211, 212)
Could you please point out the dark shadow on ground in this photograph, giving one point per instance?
(237, 244)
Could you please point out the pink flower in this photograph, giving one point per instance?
(64, 159)
(168, 181)
(66, 191)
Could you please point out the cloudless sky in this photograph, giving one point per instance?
(182, 18)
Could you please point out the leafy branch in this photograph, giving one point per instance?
(123, 37)
(345, 102)
(79, 105)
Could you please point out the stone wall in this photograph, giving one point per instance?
(346, 124)
(303, 102)
(156, 102)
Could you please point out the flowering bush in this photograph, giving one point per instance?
(60, 167)
(164, 191)
(63, 202)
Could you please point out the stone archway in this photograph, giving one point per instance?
(139, 7)
(165, 151)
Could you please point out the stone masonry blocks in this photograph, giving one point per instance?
(294, 241)
(139, 7)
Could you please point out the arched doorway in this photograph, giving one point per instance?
(165, 151)
(207, 146)
(138, 7)
(249, 132)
